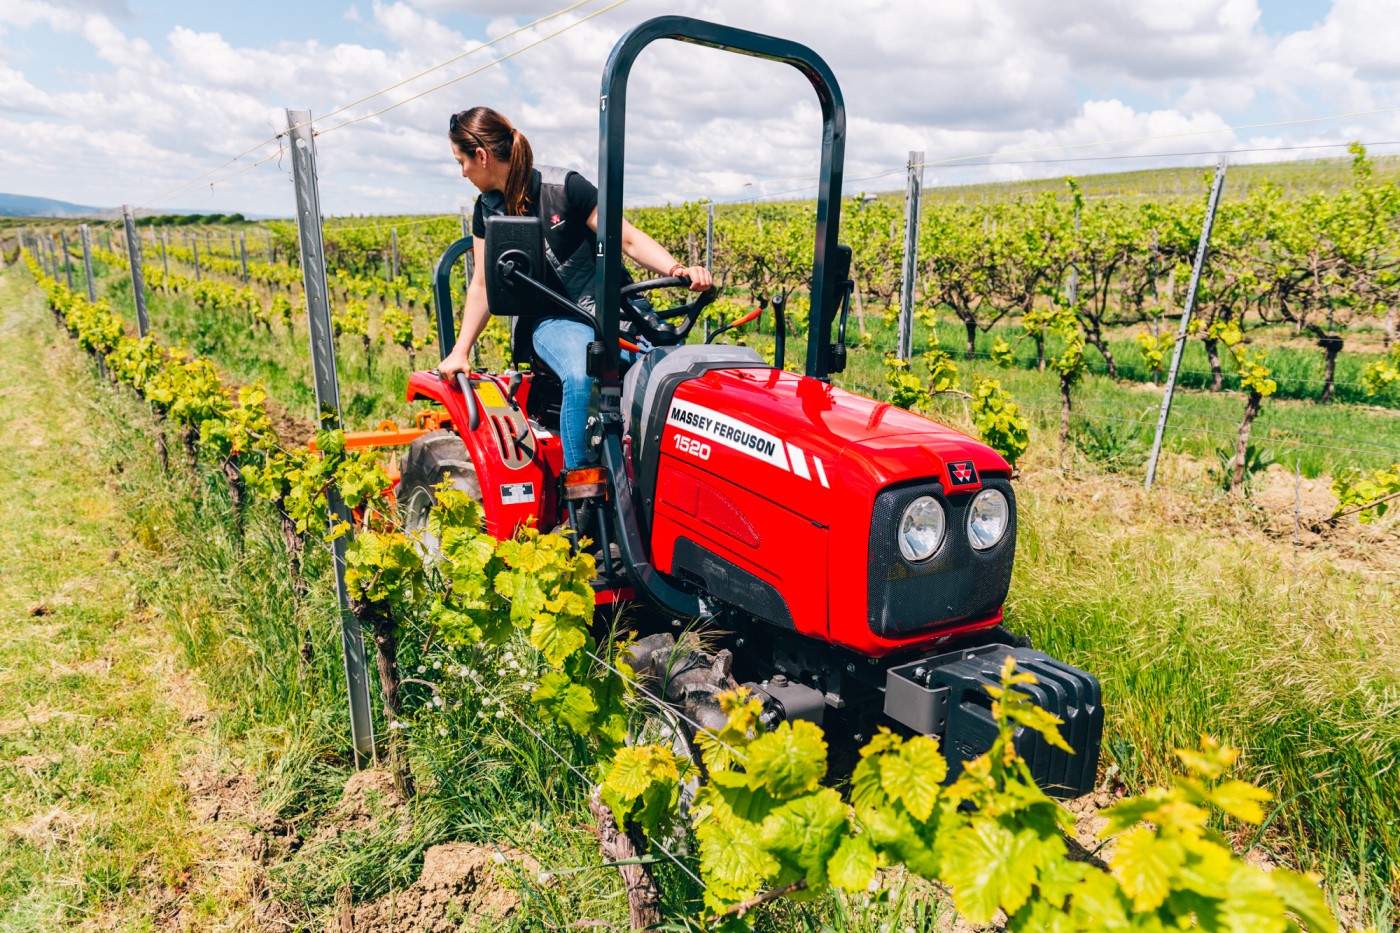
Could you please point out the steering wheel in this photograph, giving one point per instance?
(652, 325)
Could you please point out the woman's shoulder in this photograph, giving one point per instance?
(556, 175)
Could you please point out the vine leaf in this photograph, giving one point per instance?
(853, 866)
(805, 831)
(789, 760)
(990, 867)
(566, 702)
(557, 637)
(914, 775)
(1144, 866)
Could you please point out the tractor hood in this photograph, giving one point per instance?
(826, 434)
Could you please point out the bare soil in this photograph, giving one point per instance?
(462, 884)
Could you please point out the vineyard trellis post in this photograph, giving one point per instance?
(1186, 310)
(164, 258)
(67, 266)
(318, 311)
(243, 253)
(138, 280)
(913, 194)
(195, 245)
(709, 250)
(394, 264)
(85, 234)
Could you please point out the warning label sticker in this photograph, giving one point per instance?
(517, 493)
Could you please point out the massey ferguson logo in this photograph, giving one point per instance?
(963, 472)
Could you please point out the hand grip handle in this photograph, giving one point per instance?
(473, 409)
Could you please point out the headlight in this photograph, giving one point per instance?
(921, 529)
(987, 519)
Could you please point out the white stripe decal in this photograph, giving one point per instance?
(799, 461)
(821, 471)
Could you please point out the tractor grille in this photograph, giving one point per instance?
(955, 584)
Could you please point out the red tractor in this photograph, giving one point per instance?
(849, 560)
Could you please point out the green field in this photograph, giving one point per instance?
(1252, 621)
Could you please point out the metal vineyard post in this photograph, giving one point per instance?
(318, 311)
(913, 194)
(138, 282)
(1185, 321)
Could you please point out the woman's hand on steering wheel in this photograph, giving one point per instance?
(700, 278)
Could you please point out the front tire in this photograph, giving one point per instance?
(432, 458)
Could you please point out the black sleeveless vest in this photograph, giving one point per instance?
(575, 271)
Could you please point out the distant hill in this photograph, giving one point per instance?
(21, 205)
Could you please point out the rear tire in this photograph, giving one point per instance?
(435, 456)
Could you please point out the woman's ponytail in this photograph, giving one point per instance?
(522, 164)
(482, 127)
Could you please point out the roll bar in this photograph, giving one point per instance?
(612, 128)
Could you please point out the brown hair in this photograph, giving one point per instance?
(484, 128)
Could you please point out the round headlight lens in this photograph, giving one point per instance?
(921, 529)
(987, 518)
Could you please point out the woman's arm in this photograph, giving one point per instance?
(651, 255)
(474, 317)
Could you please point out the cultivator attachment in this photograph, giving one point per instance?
(947, 696)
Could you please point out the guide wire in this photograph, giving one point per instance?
(344, 107)
(588, 782)
(475, 71)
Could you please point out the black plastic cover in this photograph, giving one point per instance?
(947, 696)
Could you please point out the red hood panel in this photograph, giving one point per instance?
(881, 444)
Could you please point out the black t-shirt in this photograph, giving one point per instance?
(563, 233)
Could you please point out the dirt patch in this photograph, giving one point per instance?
(245, 840)
(48, 830)
(215, 796)
(1088, 823)
(293, 431)
(460, 882)
(369, 798)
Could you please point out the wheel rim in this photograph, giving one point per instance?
(417, 509)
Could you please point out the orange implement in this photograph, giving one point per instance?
(389, 434)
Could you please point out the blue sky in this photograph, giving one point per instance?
(112, 101)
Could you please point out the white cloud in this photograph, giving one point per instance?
(950, 79)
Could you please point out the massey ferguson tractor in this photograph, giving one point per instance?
(846, 560)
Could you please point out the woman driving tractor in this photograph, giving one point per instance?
(497, 158)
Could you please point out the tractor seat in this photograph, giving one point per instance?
(652, 381)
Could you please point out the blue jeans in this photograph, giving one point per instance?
(563, 345)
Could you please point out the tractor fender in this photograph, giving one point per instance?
(512, 464)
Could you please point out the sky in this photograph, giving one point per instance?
(105, 102)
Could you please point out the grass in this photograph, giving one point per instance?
(1197, 626)
(92, 709)
(1194, 618)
